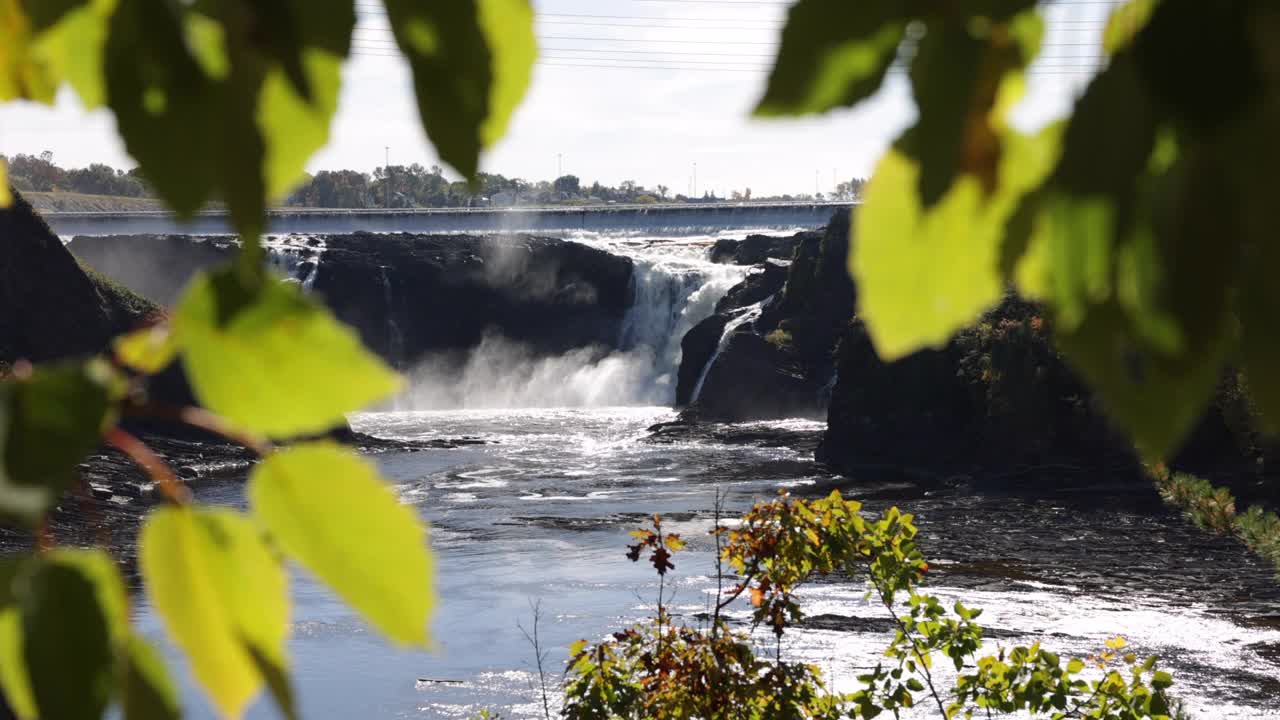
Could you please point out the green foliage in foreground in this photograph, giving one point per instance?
(1145, 222)
(217, 578)
(1214, 508)
(657, 670)
(228, 100)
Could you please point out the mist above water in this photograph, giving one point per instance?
(675, 288)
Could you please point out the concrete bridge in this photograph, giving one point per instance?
(663, 218)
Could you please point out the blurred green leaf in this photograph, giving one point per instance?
(964, 82)
(221, 594)
(21, 75)
(1137, 261)
(272, 360)
(148, 350)
(834, 53)
(313, 499)
(69, 39)
(48, 424)
(67, 633)
(300, 95)
(6, 198)
(146, 691)
(14, 683)
(1125, 22)
(923, 275)
(471, 62)
(257, 82)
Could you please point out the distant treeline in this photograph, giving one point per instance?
(397, 186)
(407, 186)
(37, 173)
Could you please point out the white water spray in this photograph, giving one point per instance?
(676, 287)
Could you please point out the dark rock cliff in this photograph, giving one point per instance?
(782, 350)
(411, 295)
(50, 306)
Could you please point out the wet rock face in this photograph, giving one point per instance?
(413, 295)
(778, 362)
(696, 350)
(756, 249)
(409, 295)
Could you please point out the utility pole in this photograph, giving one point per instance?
(695, 180)
(559, 165)
(815, 184)
(387, 179)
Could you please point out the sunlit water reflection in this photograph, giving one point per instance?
(541, 515)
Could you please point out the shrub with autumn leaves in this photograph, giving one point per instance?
(660, 670)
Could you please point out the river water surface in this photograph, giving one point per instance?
(541, 516)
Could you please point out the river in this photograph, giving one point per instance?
(539, 516)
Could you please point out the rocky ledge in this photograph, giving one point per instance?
(412, 295)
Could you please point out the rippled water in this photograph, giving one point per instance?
(541, 515)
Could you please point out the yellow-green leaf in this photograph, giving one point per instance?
(513, 46)
(271, 360)
(148, 350)
(21, 75)
(923, 275)
(314, 499)
(6, 197)
(220, 593)
(71, 47)
(146, 691)
(14, 683)
(1125, 22)
(300, 96)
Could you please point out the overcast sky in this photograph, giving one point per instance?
(625, 90)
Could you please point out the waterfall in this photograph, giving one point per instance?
(296, 258)
(395, 337)
(671, 296)
(674, 290)
(745, 315)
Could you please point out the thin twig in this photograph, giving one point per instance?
(155, 466)
(715, 618)
(924, 666)
(538, 655)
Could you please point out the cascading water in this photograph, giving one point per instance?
(395, 336)
(745, 315)
(671, 296)
(296, 258)
(675, 288)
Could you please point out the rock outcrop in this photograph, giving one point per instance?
(412, 295)
(779, 328)
(757, 249)
(51, 307)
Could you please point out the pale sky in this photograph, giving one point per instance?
(625, 90)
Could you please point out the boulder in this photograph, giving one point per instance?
(753, 380)
(755, 249)
(762, 283)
